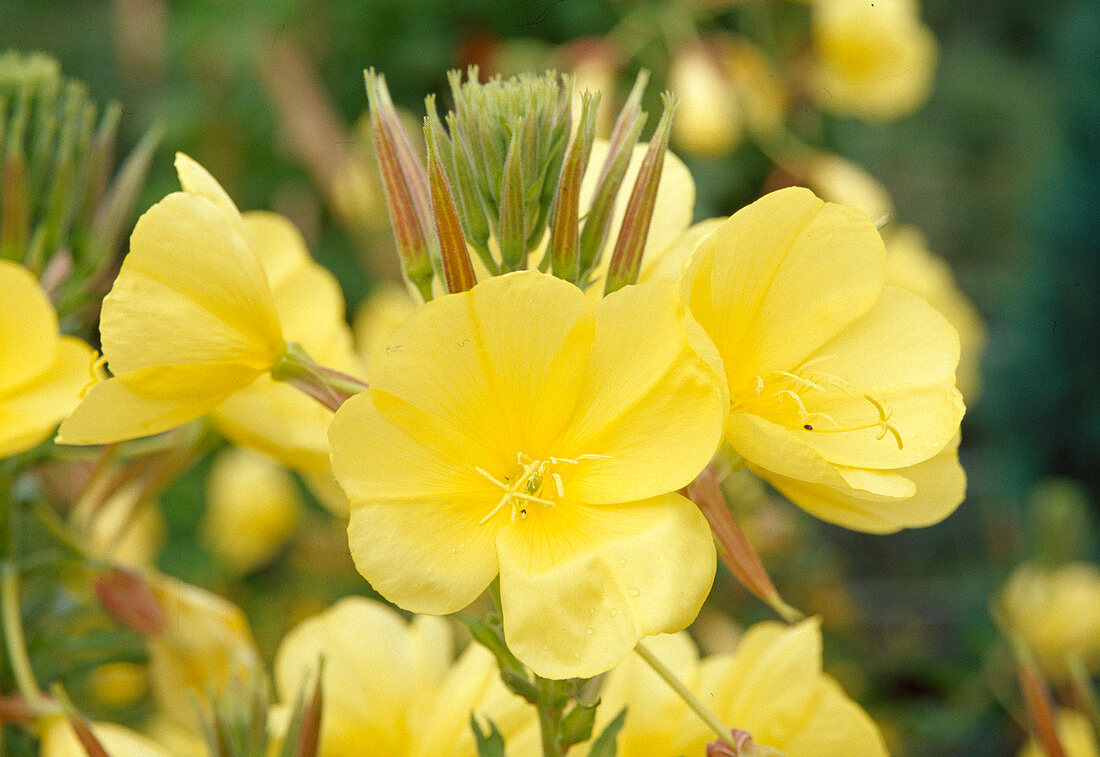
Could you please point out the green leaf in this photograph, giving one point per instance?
(489, 744)
(605, 745)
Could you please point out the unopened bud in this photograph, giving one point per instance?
(130, 600)
(626, 262)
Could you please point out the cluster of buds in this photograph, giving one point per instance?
(503, 178)
(58, 194)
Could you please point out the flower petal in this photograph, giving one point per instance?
(501, 363)
(772, 680)
(417, 503)
(28, 326)
(197, 181)
(901, 353)
(780, 278)
(190, 291)
(276, 418)
(836, 727)
(940, 486)
(580, 585)
(29, 415)
(649, 403)
(151, 400)
(376, 666)
(667, 264)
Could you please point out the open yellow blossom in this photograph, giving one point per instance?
(41, 372)
(190, 318)
(521, 428)
(772, 686)
(391, 688)
(203, 306)
(875, 60)
(1057, 612)
(842, 390)
(1075, 734)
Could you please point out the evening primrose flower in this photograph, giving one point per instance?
(842, 390)
(1057, 612)
(771, 686)
(41, 371)
(709, 120)
(391, 687)
(875, 60)
(190, 318)
(204, 305)
(520, 428)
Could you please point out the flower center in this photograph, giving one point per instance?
(787, 398)
(534, 482)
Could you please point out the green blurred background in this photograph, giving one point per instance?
(998, 169)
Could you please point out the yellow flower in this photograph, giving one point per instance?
(205, 646)
(390, 687)
(708, 117)
(252, 507)
(1057, 612)
(41, 372)
(190, 319)
(520, 428)
(875, 60)
(59, 740)
(772, 686)
(1075, 734)
(842, 390)
(835, 179)
(124, 529)
(271, 415)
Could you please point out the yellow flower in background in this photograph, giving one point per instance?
(205, 647)
(842, 390)
(708, 117)
(391, 687)
(59, 740)
(910, 265)
(836, 179)
(875, 60)
(41, 371)
(521, 428)
(1057, 612)
(771, 685)
(1075, 734)
(189, 321)
(252, 508)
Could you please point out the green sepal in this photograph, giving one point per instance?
(576, 726)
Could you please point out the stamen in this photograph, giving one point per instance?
(885, 412)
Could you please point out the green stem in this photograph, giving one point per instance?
(678, 686)
(551, 706)
(16, 642)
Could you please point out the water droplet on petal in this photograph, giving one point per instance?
(614, 612)
(588, 631)
(633, 592)
(545, 647)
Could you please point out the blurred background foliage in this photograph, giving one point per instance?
(998, 169)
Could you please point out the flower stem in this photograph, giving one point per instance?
(551, 706)
(16, 643)
(328, 386)
(678, 686)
